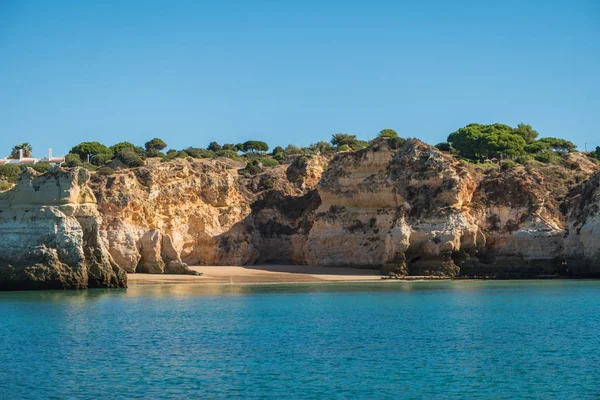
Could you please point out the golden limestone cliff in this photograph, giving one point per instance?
(407, 209)
(49, 234)
(203, 212)
(411, 210)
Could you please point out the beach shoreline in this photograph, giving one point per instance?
(259, 274)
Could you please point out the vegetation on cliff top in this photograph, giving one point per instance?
(497, 144)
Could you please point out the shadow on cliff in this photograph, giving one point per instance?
(274, 232)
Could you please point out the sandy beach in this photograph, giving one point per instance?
(260, 274)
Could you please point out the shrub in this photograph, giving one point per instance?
(395, 143)
(42, 167)
(10, 172)
(154, 153)
(252, 168)
(101, 159)
(322, 147)
(231, 154)
(89, 166)
(73, 160)
(269, 183)
(506, 165)
(268, 162)
(359, 144)
(196, 152)
(131, 159)
(5, 186)
(524, 159)
(292, 150)
(344, 147)
(106, 171)
(173, 154)
(388, 133)
(547, 157)
(301, 161)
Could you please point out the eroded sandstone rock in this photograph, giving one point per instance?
(49, 235)
(409, 210)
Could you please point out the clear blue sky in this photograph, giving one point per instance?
(293, 71)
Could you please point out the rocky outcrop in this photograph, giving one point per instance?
(159, 217)
(583, 239)
(50, 235)
(406, 209)
(401, 211)
(203, 212)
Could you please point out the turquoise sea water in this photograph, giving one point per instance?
(470, 339)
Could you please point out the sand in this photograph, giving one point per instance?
(260, 274)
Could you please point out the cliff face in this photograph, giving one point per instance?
(583, 240)
(420, 212)
(49, 235)
(411, 210)
(401, 211)
(202, 212)
(408, 210)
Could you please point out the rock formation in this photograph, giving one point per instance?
(583, 239)
(402, 208)
(49, 235)
(406, 210)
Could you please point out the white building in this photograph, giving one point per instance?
(30, 160)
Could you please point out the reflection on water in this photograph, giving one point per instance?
(459, 339)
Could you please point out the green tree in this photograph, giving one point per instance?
(122, 146)
(97, 153)
(526, 132)
(255, 145)
(444, 146)
(240, 146)
(341, 139)
(155, 144)
(230, 146)
(387, 133)
(537, 147)
(596, 153)
(214, 146)
(361, 144)
(322, 147)
(478, 142)
(15, 152)
(558, 145)
(277, 150)
(139, 150)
